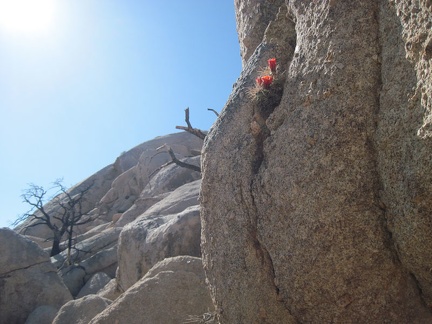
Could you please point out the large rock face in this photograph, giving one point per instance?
(27, 279)
(316, 197)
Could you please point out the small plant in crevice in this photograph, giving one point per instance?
(266, 96)
(264, 80)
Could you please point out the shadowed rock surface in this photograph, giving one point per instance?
(27, 279)
(97, 282)
(42, 315)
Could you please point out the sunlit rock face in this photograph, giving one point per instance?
(173, 291)
(316, 194)
(252, 19)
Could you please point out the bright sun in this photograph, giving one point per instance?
(28, 16)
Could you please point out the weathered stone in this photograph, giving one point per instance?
(138, 208)
(73, 277)
(404, 137)
(43, 243)
(127, 187)
(163, 182)
(96, 283)
(177, 201)
(171, 177)
(253, 18)
(92, 231)
(44, 314)
(27, 279)
(100, 261)
(165, 230)
(89, 247)
(173, 291)
(81, 311)
(116, 217)
(315, 206)
(111, 290)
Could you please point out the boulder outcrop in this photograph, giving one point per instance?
(116, 187)
(82, 310)
(169, 228)
(316, 195)
(121, 192)
(96, 283)
(27, 279)
(111, 290)
(44, 314)
(173, 291)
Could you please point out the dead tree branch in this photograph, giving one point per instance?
(216, 113)
(182, 164)
(177, 161)
(195, 131)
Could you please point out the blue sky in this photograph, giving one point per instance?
(105, 76)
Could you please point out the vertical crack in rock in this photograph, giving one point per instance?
(389, 242)
(280, 39)
(403, 156)
(262, 253)
(234, 133)
(388, 239)
(262, 109)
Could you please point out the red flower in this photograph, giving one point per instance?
(266, 81)
(272, 64)
(259, 81)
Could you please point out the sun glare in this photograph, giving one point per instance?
(27, 16)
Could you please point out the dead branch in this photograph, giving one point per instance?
(216, 113)
(175, 160)
(182, 164)
(195, 131)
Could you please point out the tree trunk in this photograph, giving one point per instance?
(55, 247)
(69, 247)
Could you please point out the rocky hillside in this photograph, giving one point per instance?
(317, 192)
(144, 241)
(315, 201)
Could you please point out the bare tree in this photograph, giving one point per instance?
(62, 219)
